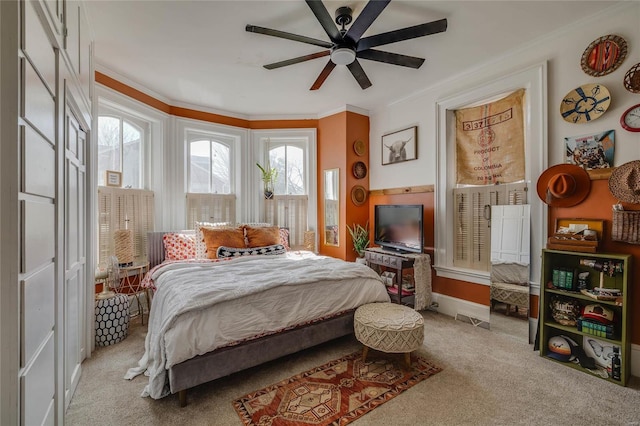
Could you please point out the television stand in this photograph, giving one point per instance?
(398, 262)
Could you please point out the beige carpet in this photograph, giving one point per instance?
(487, 379)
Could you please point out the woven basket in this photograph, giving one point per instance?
(626, 227)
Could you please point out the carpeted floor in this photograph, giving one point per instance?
(487, 379)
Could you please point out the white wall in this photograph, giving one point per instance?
(562, 49)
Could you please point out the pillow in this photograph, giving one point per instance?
(201, 248)
(179, 246)
(284, 238)
(262, 236)
(216, 237)
(224, 252)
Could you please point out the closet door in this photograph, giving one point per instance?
(38, 198)
(75, 285)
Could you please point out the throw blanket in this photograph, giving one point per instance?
(186, 287)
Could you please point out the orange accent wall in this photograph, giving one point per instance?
(472, 292)
(357, 128)
(136, 94)
(332, 134)
(598, 205)
(336, 135)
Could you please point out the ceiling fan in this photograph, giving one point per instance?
(346, 45)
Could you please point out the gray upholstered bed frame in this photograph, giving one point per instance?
(224, 361)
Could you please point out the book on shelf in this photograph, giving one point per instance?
(394, 290)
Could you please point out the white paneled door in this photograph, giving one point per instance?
(75, 246)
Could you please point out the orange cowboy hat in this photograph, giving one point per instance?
(563, 185)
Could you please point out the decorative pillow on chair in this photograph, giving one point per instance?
(216, 237)
(201, 247)
(262, 236)
(179, 246)
(224, 252)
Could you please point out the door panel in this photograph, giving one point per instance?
(38, 313)
(38, 234)
(38, 385)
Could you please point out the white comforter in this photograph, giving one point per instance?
(249, 296)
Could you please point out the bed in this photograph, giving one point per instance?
(225, 320)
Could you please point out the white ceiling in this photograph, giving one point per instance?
(198, 52)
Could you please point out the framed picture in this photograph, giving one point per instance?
(593, 151)
(113, 178)
(400, 146)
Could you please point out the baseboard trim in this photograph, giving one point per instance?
(452, 307)
(472, 312)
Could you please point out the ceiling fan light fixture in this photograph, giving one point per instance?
(343, 56)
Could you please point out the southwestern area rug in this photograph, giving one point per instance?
(335, 393)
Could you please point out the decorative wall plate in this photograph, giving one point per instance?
(604, 55)
(358, 195)
(359, 147)
(632, 79)
(359, 169)
(585, 103)
(630, 119)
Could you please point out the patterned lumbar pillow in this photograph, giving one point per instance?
(226, 252)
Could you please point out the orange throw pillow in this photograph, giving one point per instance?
(216, 237)
(263, 236)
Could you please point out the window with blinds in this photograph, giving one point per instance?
(120, 207)
(472, 219)
(289, 211)
(210, 208)
(289, 206)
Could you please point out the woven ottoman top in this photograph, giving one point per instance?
(388, 316)
(389, 327)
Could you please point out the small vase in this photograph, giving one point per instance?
(268, 194)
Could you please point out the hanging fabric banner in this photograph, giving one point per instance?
(490, 142)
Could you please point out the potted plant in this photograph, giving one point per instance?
(269, 176)
(360, 238)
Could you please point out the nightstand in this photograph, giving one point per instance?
(130, 284)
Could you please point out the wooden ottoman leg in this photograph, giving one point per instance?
(182, 397)
(365, 352)
(407, 360)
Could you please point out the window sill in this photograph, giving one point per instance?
(462, 274)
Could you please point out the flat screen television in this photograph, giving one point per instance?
(399, 227)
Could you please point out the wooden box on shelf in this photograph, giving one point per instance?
(576, 241)
(593, 340)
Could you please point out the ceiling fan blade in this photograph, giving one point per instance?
(323, 75)
(403, 34)
(288, 36)
(371, 11)
(391, 58)
(359, 74)
(296, 60)
(325, 19)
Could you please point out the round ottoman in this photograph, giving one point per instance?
(389, 327)
(112, 319)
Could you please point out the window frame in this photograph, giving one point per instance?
(259, 142)
(286, 142)
(226, 140)
(106, 109)
(534, 80)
